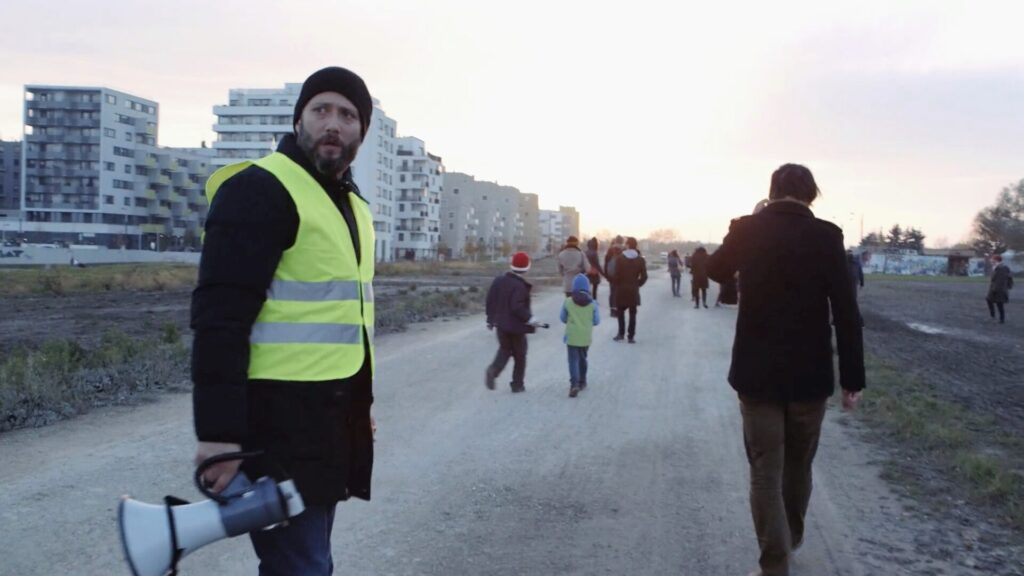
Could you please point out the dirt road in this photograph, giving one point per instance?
(644, 473)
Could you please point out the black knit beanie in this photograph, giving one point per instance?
(342, 81)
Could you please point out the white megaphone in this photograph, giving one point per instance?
(156, 536)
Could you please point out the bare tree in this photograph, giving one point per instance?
(1001, 226)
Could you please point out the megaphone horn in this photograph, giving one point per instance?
(156, 536)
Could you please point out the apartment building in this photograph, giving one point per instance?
(93, 172)
(552, 231)
(10, 180)
(419, 187)
(528, 236)
(479, 218)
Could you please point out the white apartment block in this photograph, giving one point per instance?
(552, 231)
(419, 187)
(480, 218)
(91, 172)
(255, 119)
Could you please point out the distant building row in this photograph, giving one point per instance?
(90, 171)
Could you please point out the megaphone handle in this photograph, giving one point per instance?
(215, 460)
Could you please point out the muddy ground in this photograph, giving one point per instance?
(940, 333)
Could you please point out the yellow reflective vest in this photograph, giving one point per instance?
(319, 306)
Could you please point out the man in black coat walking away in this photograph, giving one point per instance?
(630, 273)
(508, 310)
(794, 271)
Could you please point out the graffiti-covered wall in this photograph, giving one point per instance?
(916, 264)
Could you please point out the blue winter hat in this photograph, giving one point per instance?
(580, 283)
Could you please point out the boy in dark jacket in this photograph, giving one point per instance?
(508, 310)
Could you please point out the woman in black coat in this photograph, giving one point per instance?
(999, 289)
(699, 282)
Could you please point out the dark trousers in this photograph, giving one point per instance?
(675, 284)
(781, 439)
(510, 346)
(594, 282)
(699, 295)
(632, 321)
(992, 306)
(302, 546)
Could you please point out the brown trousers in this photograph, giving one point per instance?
(780, 439)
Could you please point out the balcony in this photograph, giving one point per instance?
(62, 105)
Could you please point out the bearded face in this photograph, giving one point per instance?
(329, 133)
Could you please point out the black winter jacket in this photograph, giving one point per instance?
(629, 274)
(792, 271)
(316, 432)
(508, 304)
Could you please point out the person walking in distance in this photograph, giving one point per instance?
(856, 271)
(609, 270)
(508, 312)
(571, 261)
(594, 270)
(580, 315)
(699, 279)
(630, 274)
(793, 272)
(999, 289)
(675, 271)
(282, 357)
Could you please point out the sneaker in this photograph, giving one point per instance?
(618, 338)
(632, 341)
(488, 379)
(517, 389)
(573, 392)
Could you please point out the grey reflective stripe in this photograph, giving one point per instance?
(367, 292)
(313, 291)
(294, 333)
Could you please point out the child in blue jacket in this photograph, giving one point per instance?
(580, 315)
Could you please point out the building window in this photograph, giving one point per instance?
(110, 132)
(111, 99)
(127, 201)
(127, 169)
(108, 166)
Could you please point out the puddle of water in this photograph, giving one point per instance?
(925, 328)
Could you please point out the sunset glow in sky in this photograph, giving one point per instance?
(641, 114)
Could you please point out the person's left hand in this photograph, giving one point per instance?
(373, 428)
(850, 399)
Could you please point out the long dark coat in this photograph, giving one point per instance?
(999, 286)
(793, 272)
(699, 268)
(630, 274)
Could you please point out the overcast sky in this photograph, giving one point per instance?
(641, 114)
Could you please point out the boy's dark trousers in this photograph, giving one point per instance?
(510, 346)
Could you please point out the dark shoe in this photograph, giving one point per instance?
(488, 379)
(573, 392)
(618, 338)
(705, 304)
(631, 340)
(583, 386)
(696, 305)
(517, 389)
